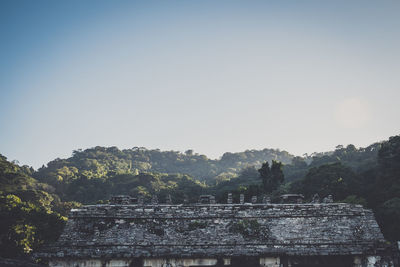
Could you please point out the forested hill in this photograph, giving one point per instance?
(101, 162)
(105, 162)
(95, 174)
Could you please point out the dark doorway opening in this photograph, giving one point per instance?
(322, 261)
(245, 262)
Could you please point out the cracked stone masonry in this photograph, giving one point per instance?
(128, 232)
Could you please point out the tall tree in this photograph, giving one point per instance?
(277, 173)
(265, 175)
(271, 177)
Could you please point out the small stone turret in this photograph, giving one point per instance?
(328, 199)
(229, 200)
(315, 199)
(266, 200)
(212, 200)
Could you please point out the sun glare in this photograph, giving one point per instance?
(352, 113)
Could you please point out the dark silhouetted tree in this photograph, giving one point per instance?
(271, 177)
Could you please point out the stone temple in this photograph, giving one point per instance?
(130, 233)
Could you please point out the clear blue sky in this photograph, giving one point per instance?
(213, 76)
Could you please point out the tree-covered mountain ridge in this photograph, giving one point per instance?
(102, 162)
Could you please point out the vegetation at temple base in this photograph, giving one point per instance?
(247, 228)
(194, 225)
(34, 204)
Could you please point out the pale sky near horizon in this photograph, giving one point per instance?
(213, 76)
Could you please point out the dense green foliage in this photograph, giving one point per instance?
(358, 160)
(33, 203)
(101, 162)
(28, 223)
(25, 226)
(87, 190)
(329, 179)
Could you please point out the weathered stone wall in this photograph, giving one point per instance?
(216, 230)
(206, 234)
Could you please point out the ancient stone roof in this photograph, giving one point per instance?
(134, 230)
